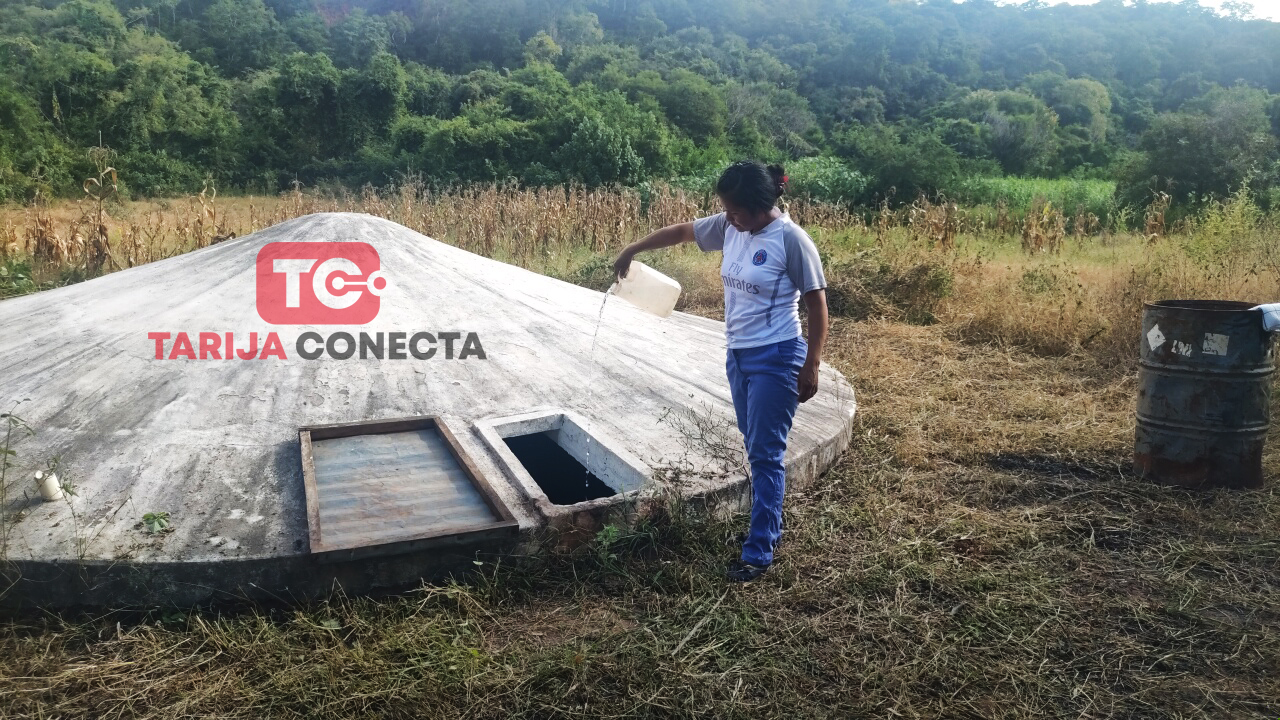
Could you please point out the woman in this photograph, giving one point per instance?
(769, 264)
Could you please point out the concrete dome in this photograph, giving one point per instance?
(215, 442)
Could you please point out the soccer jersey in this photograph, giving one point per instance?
(764, 274)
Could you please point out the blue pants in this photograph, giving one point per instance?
(763, 381)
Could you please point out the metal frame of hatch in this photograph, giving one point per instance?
(504, 528)
(628, 475)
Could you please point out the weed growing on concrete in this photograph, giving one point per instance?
(69, 493)
(156, 522)
(15, 427)
(710, 434)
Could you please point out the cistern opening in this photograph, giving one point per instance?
(562, 478)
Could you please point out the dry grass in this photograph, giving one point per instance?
(518, 225)
(981, 551)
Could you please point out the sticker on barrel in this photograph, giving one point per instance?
(1155, 338)
(1215, 344)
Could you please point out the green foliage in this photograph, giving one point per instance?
(1043, 280)
(693, 104)
(596, 273)
(237, 35)
(373, 97)
(15, 278)
(483, 143)
(605, 541)
(360, 36)
(597, 155)
(1227, 232)
(826, 179)
(1212, 147)
(1095, 196)
(901, 165)
(1016, 129)
(542, 48)
(156, 522)
(157, 173)
(33, 158)
(910, 97)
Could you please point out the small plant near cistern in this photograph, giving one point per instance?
(156, 522)
(15, 427)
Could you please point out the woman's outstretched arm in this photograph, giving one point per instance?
(665, 237)
(815, 303)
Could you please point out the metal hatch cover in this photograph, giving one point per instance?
(385, 487)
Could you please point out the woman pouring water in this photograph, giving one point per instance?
(769, 264)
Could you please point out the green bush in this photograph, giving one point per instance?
(826, 179)
(598, 154)
(1227, 232)
(15, 278)
(595, 273)
(1096, 196)
(157, 173)
(901, 163)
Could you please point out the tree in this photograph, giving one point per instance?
(91, 23)
(693, 104)
(1080, 102)
(902, 164)
(238, 35)
(371, 98)
(599, 155)
(258, 90)
(1218, 143)
(32, 157)
(541, 48)
(1019, 129)
(306, 91)
(361, 36)
(482, 144)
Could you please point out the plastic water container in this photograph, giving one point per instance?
(648, 289)
(49, 487)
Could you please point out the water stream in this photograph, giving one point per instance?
(591, 388)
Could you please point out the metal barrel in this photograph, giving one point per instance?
(1204, 394)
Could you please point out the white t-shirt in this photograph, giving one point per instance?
(764, 274)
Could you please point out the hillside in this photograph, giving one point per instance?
(908, 97)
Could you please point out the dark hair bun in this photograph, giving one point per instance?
(779, 178)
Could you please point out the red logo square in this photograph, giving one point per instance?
(319, 283)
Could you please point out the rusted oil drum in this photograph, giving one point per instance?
(1204, 394)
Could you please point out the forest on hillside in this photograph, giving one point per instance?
(869, 99)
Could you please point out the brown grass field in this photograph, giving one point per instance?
(983, 550)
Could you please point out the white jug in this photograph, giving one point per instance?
(648, 289)
(50, 488)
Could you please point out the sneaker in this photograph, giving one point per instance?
(744, 572)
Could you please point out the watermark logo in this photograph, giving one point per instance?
(319, 283)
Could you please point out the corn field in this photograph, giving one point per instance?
(96, 235)
(45, 244)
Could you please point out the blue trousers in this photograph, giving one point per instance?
(763, 381)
